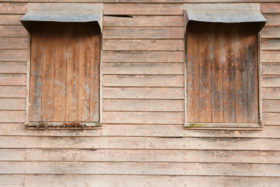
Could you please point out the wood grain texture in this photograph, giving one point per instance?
(66, 67)
(222, 73)
(185, 143)
(144, 21)
(10, 19)
(13, 55)
(144, 80)
(146, 33)
(143, 56)
(137, 181)
(12, 116)
(143, 93)
(13, 31)
(141, 130)
(270, 93)
(13, 79)
(13, 43)
(13, 67)
(143, 105)
(147, 45)
(13, 8)
(144, 117)
(135, 168)
(143, 68)
(76, 155)
(12, 104)
(13, 91)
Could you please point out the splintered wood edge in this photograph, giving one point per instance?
(62, 125)
(224, 126)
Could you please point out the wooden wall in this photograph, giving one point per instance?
(142, 141)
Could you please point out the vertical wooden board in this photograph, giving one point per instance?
(60, 77)
(192, 76)
(241, 77)
(72, 88)
(204, 78)
(48, 80)
(83, 99)
(95, 78)
(229, 75)
(217, 80)
(37, 51)
(252, 95)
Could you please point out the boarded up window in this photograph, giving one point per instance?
(222, 72)
(64, 74)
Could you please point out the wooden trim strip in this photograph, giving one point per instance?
(239, 126)
(64, 125)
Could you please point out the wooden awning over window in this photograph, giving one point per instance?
(225, 13)
(57, 12)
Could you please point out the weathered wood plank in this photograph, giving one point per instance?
(13, 43)
(136, 181)
(13, 31)
(271, 105)
(144, 21)
(13, 55)
(12, 116)
(139, 142)
(127, 130)
(143, 105)
(12, 91)
(270, 81)
(269, 56)
(143, 68)
(143, 80)
(144, 117)
(149, 45)
(13, 67)
(270, 32)
(270, 44)
(142, 9)
(145, 33)
(271, 118)
(270, 8)
(13, 79)
(13, 8)
(12, 104)
(148, 168)
(144, 93)
(143, 56)
(10, 19)
(76, 155)
(268, 69)
(270, 93)
(272, 19)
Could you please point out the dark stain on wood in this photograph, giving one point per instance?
(222, 72)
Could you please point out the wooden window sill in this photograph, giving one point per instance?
(224, 126)
(62, 125)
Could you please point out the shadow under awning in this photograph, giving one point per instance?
(224, 13)
(64, 13)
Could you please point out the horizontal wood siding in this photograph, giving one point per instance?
(142, 141)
